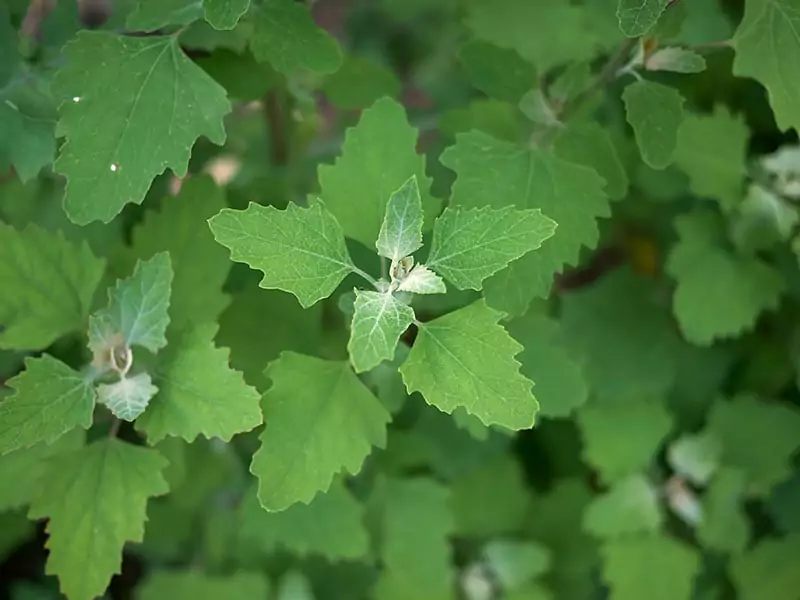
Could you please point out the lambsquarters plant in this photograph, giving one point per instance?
(465, 299)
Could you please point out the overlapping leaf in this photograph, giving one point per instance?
(378, 322)
(655, 111)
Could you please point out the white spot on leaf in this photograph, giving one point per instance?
(76, 98)
(114, 167)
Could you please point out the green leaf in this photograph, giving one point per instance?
(498, 174)
(514, 562)
(95, 500)
(49, 399)
(171, 585)
(27, 137)
(767, 46)
(466, 359)
(51, 295)
(200, 264)
(499, 72)
(415, 549)
(782, 504)
(590, 145)
(762, 220)
(711, 151)
(331, 526)
(695, 456)
(630, 507)
(401, 231)
(359, 83)
(115, 129)
(421, 280)
(637, 17)
(470, 245)
(320, 420)
(378, 157)
(137, 309)
(27, 467)
(757, 437)
(224, 14)
(655, 111)
(284, 34)
(560, 384)
(653, 567)
(199, 394)
(378, 322)
(128, 397)
(719, 294)
(15, 530)
(646, 423)
(150, 15)
(724, 526)
(676, 60)
(300, 250)
(768, 571)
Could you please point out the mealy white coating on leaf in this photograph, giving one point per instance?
(401, 231)
(421, 280)
(128, 397)
(678, 60)
(378, 322)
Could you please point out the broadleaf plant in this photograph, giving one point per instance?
(430, 300)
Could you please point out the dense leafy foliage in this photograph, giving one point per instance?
(394, 300)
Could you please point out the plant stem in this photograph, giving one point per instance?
(115, 425)
(373, 282)
(275, 113)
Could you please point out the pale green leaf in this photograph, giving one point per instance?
(559, 382)
(711, 151)
(719, 294)
(95, 500)
(416, 523)
(655, 111)
(401, 231)
(27, 468)
(150, 15)
(421, 280)
(767, 45)
(294, 586)
(137, 310)
(48, 400)
(637, 17)
(320, 420)
(465, 358)
(175, 585)
(331, 526)
(768, 571)
(516, 562)
(378, 157)
(695, 456)
(116, 144)
(128, 397)
(675, 59)
(590, 145)
(359, 83)
(498, 174)
(470, 245)
(724, 526)
(762, 220)
(199, 394)
(48, 284)
(499, 72)
(378, 322)
(299, 250)
(284, 34)
(654, 567)
(224, 14)
(630, 507)
(200, 264)
(645, 422)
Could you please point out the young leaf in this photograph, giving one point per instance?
(695, 457)
(630, 507)
(401, 231)
(767, 48)
(300, 250)
(199, 393)
(128, 397)
(331, 526)
(150, 15)
(378, 156)
(284, 34)
(677, 60)
(171, 585)
(498, 174)
(719, 294)
(470, 245)
(421, 280)
(711, 150)
(115, 113)
(200, 264)
(653, 566)
(224, 14)
(49, 399)
(378, 322)
(137, 309)
(320, 420)
(95, 500)
(466, 358)
(515, 563)
(637, 17)
(51, 294)
(655, 111)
